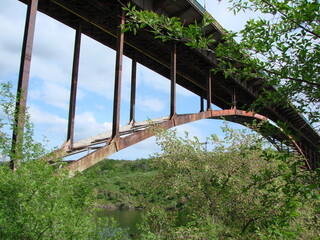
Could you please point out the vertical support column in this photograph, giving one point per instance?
(305, 154)
(173, 76)
(23, 83)
(209, 90)
(234, 99)
(310, 157)
(314, 159)
(133, 90)
(74, 84)
(201, 104)
(118, 80)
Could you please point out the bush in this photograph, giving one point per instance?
(242, 189)
(39, 203)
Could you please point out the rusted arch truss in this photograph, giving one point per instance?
(189, 68)
(134, 133)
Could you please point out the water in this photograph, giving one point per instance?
(127, 219)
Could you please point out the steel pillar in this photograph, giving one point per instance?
(201, 104)
(234, 99)
(133, 90)
(23, 83)
(173, 77)
(314, 159)
(118, 80)
(209, 90)
(311, 158)
(74, 84)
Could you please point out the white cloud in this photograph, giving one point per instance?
(53, 94)
(153, 80)
(11, 27)
(147, 103)
(226, 18)
(39, 116)
(87, 126)
(191, 130)
(96, 70)
(53, 40)
(52, 51)
(183, 91)
(50, 125)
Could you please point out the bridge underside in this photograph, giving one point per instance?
(190, 68)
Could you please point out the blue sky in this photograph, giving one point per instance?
(51, 73)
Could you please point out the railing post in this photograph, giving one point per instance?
(74, 83)
(173, 77)
(23, 83)
(133, 90)
(118, 80)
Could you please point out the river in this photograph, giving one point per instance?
(127, 219)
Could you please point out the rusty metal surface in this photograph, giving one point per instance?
(201, 104)
(121, 143)
(118, 79)
(74, 84)
(209, 90)
(100, 20)
(173, 77)
(124, 142)
(133, 90)
(23, 83)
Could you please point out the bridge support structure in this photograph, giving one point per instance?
(73, 88)
(143, 130)
(140, 131)
(195, 75)
(23, 82)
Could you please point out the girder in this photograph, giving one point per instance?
(134, 133)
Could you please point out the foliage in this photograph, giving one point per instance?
(168, 29)
(122, 183)
(111, 230)
(281, 47)
(28, 148)
(39, 203)
(239, 190)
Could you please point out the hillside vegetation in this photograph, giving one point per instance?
(241, 189)
(121, 183)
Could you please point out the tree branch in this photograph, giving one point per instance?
(291, 20)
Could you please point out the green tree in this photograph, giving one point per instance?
(39, 203)
(282, 47)
(239, 190)
(28, 147)
(39, 200)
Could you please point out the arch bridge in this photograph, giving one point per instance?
(190, 68)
